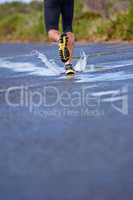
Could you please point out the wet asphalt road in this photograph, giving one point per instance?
(66, 139)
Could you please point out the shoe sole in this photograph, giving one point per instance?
(70, 72)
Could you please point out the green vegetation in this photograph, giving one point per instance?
(22, 22)
(25, 22)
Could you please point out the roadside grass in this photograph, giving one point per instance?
(25, 22)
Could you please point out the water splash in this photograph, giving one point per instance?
(81, 63)
(17, 66)
(26, 67)
(50, 64)
(49, 67)
(114, 76)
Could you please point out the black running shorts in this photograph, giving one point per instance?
(53, 10)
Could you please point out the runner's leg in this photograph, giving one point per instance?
(52, 14)
(67, 9)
